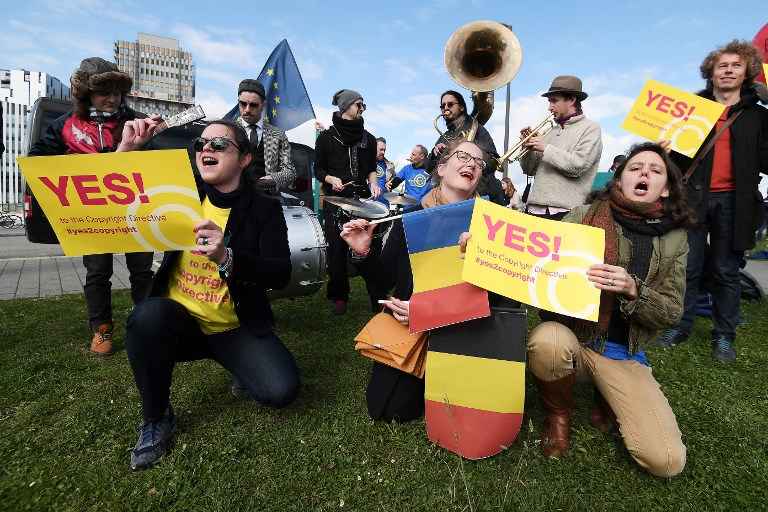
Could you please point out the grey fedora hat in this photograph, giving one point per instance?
(566, 84)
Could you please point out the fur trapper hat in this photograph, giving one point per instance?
(97, 74)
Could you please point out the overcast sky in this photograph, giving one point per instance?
(392, 52)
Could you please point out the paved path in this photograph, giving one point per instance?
(48, 276)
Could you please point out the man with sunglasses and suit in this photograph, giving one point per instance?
(565, 160)
(272, 164)
(459, 123)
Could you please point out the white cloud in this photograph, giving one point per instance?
(214, 105)
(229, 79)
(232, 53)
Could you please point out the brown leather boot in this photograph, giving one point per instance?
(601, 416)
(557, 397)
(101, 344)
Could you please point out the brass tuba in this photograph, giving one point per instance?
(482, 56)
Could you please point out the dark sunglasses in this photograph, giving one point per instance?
(361, 105)
(217, 143)
(447, 105)
(244, 104)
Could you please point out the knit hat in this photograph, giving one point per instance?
(344, 98)
(251, 85)
(97, 74)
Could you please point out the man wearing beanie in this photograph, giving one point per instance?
(95, 125)
(272, 163)
(345, 164)
(564, 161)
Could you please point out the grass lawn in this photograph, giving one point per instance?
(67, 425)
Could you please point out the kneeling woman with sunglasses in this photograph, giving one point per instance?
(211, 302)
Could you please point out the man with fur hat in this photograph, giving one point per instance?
(722, 190)
(272, 162)
(95, 125)
(565, 160)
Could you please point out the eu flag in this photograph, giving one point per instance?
(287, 104)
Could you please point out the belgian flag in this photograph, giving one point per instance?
(475, 383)
(440, 294)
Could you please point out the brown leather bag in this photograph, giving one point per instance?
(389, 342)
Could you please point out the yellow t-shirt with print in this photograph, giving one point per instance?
(196, 284)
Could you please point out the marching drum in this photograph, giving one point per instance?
(308, 250)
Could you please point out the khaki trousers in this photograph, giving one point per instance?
(646, 421)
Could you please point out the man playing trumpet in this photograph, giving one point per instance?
(564, 160)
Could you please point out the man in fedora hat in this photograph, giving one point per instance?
(95, 125)
(564, 161)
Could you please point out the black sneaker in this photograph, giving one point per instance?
(154, 439)
(671, 337)
(722, 349)
(238, 390)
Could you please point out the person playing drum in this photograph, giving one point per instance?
(242, 251)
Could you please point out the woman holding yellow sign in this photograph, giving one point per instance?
(644, 213)
(210, 302)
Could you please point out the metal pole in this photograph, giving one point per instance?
(506, 129)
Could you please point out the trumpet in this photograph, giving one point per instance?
(519, 150)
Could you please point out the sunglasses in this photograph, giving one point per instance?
(447, 105)
(361, 106)
(217, 143)
(465, 157)
(244, 104)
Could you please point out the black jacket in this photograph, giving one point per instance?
(258, 237)
(332, 157)
(749, 153)
(489, 185)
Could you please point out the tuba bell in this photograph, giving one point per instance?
(482, 56)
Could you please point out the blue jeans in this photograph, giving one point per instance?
(161, 332)
(723, 266)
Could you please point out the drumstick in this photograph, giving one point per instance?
(385, 219)
(347, 184)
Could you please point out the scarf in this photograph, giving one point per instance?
(349, 132)
(435, 198)
(605, 214)
(222, 199)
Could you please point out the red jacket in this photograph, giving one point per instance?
(70, 134)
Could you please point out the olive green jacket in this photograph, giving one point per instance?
(659, 303)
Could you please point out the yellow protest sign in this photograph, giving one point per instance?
(765, 73)
(117, 202)
(663, 112)
(536, 261)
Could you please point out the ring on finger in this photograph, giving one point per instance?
(613, 283)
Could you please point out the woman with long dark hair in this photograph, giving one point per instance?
(644, 214)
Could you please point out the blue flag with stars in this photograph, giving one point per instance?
(287, 103)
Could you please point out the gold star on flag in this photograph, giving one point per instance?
(274, 112)
(270, 72)
(277, 99)
(274, 85)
